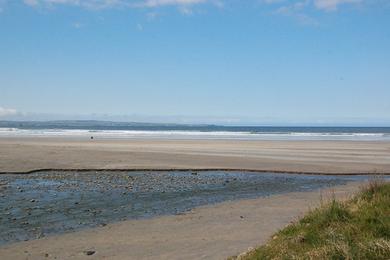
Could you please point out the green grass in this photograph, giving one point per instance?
(355, 229)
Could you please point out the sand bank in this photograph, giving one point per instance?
(27, 154)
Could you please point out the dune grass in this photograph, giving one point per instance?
(356, 229)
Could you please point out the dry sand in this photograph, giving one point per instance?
(211, 232)
(26, 154)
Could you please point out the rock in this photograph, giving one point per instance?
(89, 252)
(241, 217)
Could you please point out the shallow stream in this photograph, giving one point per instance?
(44, 203)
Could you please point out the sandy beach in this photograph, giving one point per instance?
(331, 157)
(210, 232)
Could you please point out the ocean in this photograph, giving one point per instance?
(125, 130)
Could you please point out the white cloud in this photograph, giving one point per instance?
(77, 25)
(272, 1)
(332, 5)
(31, 2)
(325, 5)
(7, 112)
(296, 10)
(93, 4)
(184, 6)
(155, 3)
(101, 4)
(139, 27)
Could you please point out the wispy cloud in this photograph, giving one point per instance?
(155, 3)
(7, 112)
(301, 10)
(297, 5)
(295, 10)
(332, 5)
(101, 4)
(184, 6)
(77, 25)
(139, 27)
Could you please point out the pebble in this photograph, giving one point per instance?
(89, 252)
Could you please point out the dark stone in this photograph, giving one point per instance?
(89, 252)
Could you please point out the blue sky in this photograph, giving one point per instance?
(223, 61)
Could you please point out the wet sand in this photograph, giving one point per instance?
(48, 203)
(210, 232)
(348, 157)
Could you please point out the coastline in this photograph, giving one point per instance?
(33, 154)
(214, 231)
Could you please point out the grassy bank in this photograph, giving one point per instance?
(355, 229)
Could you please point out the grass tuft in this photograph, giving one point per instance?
(355, 229)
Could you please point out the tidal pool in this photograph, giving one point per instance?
(44, 203)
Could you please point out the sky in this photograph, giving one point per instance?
(274, 62)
